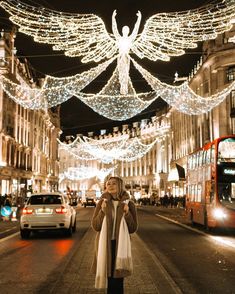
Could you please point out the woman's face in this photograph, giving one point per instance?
(112, 187)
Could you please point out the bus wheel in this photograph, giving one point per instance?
(206, 226)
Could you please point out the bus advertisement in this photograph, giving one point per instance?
(210, 199)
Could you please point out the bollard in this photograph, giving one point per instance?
(13, 215)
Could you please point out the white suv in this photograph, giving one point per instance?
(47, 211)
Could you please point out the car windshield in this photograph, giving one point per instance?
(45, 199)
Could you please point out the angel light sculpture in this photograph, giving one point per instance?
(164, 35)
(124, 43)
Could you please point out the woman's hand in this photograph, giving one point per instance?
(103, 206)
(126, 208)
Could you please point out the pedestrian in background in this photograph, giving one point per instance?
(113, 220)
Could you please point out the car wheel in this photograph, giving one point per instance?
(68, 232)
(74, 226)
(24, 234)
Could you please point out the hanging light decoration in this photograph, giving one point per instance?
(77, 150)
(164, 35)
(182, 97)
(85, 172)
(54, 90)
(109, 102)
(120, 148)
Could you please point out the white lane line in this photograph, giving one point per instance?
(218, 239)
(182, 225)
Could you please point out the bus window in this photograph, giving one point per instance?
(224, 191)
(212, 153)
(199, 193)
(226, 194)
(200, 158)
(208, 156)
(192, 190)
(204, 158)
(190, 162)
(233, 192)
(193, 161)
(226, 150)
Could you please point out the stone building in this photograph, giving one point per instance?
(190, 132)
(28, 138)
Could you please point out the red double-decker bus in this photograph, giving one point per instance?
(210, 199)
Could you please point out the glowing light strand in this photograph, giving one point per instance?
(164, 34)
(120, 149)
(113, 105)
(85, 172)
(54, 90)
(182, 97)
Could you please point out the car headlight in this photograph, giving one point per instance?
(219, 213)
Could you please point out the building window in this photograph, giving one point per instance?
(232, 103)
(231, 74)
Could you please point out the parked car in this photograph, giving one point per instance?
(89, 202)
(47, 211)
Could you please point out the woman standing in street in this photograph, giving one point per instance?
(113, 220)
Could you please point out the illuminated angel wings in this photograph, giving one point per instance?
(85, 35)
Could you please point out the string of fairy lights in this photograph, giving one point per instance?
(164, 35)
(54, 90)
(108, 150)
(85, 172)
(106, 102)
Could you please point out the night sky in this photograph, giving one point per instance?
(76, 117)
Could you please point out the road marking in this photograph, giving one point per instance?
(218, 239)
(182, 225)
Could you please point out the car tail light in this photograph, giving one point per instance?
(27, 210)
(61, 210)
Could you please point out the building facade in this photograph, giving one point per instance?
(28, 138)
(215, 71)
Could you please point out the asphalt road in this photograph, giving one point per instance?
(192, 260)
(197, 261)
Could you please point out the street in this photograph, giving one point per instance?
(168, 258)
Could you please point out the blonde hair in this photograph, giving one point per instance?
(120, 185)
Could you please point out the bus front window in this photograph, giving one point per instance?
(226, 150)
(226, 193)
